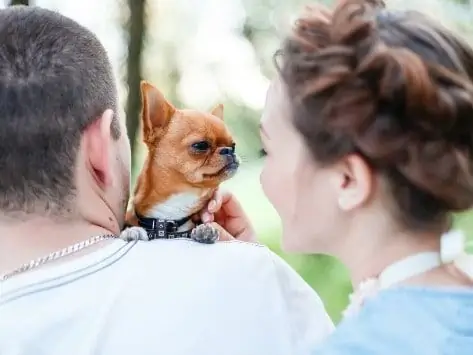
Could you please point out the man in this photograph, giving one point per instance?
(64, 184)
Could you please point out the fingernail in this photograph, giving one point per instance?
(206, 217)
(212, 205)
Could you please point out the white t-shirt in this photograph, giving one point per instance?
(168, 297)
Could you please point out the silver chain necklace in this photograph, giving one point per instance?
(56, 255)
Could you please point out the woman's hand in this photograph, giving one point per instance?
(226, 212)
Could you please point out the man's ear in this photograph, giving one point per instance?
(218, 111)
(156, 112)
(97, 138)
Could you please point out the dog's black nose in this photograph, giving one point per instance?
(227, 151)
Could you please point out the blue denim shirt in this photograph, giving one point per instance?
(407, 321)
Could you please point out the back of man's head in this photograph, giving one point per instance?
(55, 80)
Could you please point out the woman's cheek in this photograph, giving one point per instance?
(263, 178)
(271, 183)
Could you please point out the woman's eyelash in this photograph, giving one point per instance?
(262, 152)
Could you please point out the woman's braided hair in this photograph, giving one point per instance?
(395, 88)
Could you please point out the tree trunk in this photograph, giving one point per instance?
(136, 33)
(19, 2)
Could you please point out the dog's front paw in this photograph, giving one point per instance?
(133, 233)
(205, 233)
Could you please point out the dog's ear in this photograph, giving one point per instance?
(156, 111)
(218, 111)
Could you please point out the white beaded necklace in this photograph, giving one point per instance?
(452, 251)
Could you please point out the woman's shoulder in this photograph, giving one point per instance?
(407, 321)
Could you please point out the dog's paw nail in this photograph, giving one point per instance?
(205, 234)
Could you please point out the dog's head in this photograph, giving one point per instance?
(194, 148)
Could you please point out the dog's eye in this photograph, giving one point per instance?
(202, 146)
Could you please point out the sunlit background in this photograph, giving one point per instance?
(201, 52)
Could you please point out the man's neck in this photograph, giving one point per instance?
(21, 242)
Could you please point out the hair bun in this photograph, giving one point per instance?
(402, 110)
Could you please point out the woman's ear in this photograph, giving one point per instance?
(353, 182)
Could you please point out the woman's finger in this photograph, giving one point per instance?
(216, 202)
(206, 216)
(231, 206)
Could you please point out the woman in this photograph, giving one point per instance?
(369, 128)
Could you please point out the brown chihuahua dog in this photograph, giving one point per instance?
(189, 154)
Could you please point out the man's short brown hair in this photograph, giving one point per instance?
(55, 80)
